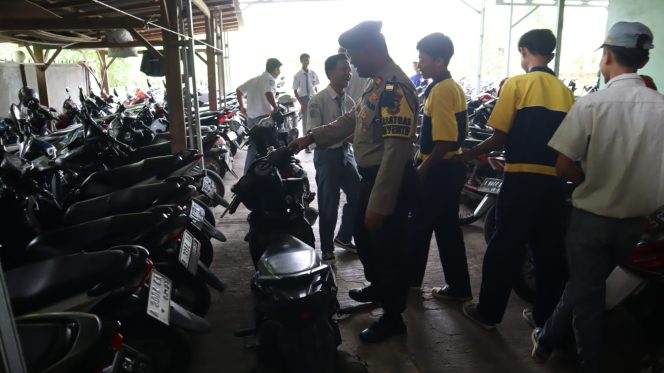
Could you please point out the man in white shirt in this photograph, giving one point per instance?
(261, 92)
(618, 135)
(305, 85)
(335, 165)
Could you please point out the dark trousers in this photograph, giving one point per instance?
(595, 245)
(383, 252)
(437, 210)
(530, 211)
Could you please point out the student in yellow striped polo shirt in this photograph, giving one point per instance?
(531, 204)
(444, 128)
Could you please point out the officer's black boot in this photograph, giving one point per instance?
(387, 326)
(363, 295)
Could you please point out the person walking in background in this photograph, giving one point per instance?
(616, 134)
(531, 204)
(383, 129)
(444, 128)
(335, 165)
(418, 78)
(261, 100)
(305, 85)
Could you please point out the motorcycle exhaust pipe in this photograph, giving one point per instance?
(203, 273)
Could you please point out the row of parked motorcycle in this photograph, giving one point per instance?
(106, 249)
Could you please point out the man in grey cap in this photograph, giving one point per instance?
(616, 134)
(383, 128)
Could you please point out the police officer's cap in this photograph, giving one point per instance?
(367, 32)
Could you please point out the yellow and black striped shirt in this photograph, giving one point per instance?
(529, 110)
(445, 117)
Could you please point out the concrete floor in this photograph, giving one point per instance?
(439, 338)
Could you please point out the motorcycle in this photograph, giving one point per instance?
(294, 291)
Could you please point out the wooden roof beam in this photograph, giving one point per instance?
(68, 24)
(200, 4)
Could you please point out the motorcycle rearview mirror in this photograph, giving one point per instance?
(115, 92)
(149, 85)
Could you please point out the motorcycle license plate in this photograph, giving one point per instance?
(159, 298)
(190, 252)
(490, 185)
(231, 136)
(207, 188)
(196, 214)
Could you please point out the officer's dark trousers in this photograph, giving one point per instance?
(530, 210)
(383, 252)
(437, 210)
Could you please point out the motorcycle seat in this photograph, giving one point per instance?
(287, 256)
(133, 199)
(43, 283)
(148, 151)
(104, 182)
(95, 235)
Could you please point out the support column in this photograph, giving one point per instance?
(42, 87)
(211, 62)
(222, 55)
(173, 77)
(559, 35)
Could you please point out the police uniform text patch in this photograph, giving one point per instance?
(396, 116)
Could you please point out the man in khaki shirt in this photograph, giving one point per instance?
(383, 129)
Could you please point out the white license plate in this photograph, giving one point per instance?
(206, 187)
(159, 298)
(197, 214)
(190, 252)
(490, 185)
(231, 136)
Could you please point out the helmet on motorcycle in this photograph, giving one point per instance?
(28, 97)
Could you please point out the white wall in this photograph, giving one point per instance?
(57, 78)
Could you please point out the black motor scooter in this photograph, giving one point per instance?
(294, 291)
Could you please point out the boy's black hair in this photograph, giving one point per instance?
(331, 63)
(303, 56)
(271, 64)
(437, 45)
(541, 42)
(631, 57)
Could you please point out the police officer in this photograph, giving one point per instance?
(383, 129)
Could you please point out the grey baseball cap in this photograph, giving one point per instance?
(626, 34)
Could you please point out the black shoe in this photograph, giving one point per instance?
(348, 246)
(329, 258)
(383, 329)
(363, 295)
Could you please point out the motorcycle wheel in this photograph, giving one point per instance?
(207, 252)
(167, 347)
(188, 291)
(524, 284)
(217, 185)
(215, 165)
